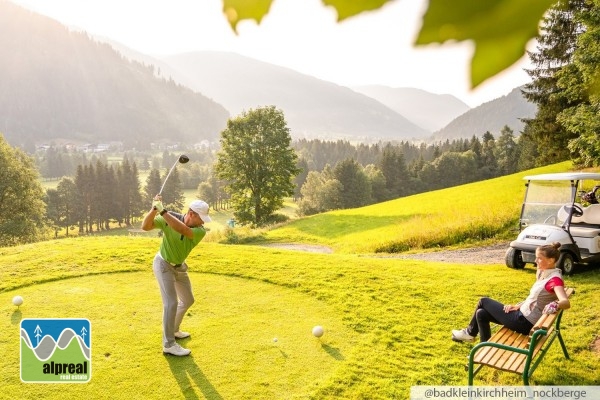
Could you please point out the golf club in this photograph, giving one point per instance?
(182, 160)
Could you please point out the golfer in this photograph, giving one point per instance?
(180, 234)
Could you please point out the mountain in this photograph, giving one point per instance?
(312, 107)
(428, 110)
(491, 116)
(56, 83)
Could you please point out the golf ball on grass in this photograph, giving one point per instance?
(17, 300)
(318, 331)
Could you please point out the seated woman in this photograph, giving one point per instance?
(547, 296)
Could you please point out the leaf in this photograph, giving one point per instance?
(237, 10)
(349, 8)
(500, 30)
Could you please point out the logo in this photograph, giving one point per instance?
(56, 350)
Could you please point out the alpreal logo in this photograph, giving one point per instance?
(56, 350)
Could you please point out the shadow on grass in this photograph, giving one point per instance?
(16, 317)
(335, 226)
(333, 352)
(187, 373)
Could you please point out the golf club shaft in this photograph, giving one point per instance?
(169, 174)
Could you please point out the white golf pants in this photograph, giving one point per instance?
(177, 297)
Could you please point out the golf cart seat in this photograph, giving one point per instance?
(584, 231)
(587, 225)
(563, 214)
(591, 214)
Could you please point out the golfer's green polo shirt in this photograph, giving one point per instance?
(174, 247)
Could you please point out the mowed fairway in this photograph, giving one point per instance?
(387, 320)
(234, 324)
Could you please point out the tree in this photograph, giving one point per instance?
(67, 192)
(104, 207)
(152, 187)
(356, 188)
(321, 192)
(85, 182)
(257, 163)
(393, 167)
(528, 151)
(377, 180)
(507, 152)
(173, 197)
(128, 192)
(21, 195)
(581, 83)
(212, 191)
(556, 46)
(488, 156)
(53, 214)
(301, 177)
(455, 168)
(62, 204)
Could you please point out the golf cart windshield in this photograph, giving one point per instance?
(545, 201)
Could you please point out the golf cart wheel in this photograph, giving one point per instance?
(566, 263)
(514, 259)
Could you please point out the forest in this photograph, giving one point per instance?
(95, 190)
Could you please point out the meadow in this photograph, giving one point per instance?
(387, 320)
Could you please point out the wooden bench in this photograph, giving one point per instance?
(514, 352)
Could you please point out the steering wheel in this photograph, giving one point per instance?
(577, 210)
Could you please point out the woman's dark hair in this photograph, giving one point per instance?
(550, 250)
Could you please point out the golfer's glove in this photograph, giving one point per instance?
(551, 308)
(157, 205)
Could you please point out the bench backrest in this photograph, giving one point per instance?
(547, 320)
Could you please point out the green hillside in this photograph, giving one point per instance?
(387, 320)
(454, 216)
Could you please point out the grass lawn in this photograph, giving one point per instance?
(387, 322)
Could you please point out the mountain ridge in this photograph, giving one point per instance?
(57, 83)
(312, 107)
(428, 110)
(492, 116)
(60, 83)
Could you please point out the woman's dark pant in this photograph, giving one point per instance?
(489, 310)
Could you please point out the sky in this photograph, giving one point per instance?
(373, 48)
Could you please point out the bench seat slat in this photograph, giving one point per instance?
(513, 361)
(508, 360)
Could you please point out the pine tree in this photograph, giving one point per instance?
(581, 83)
(556, 46)
(356, 188)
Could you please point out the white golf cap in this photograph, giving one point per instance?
(201, 208)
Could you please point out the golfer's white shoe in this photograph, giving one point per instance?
(176, 350)
(181, 335)
(462, 336)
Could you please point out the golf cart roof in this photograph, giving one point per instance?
(564, 176)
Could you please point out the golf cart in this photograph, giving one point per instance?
(563, 208)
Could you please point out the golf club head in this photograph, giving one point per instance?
(182, 160)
